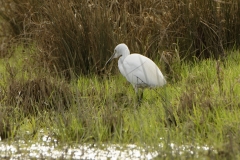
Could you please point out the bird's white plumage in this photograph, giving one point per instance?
(139, 70)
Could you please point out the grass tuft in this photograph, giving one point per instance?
(52, 54)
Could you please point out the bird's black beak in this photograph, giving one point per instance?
(109, 59)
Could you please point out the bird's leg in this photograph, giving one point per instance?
(140, 96)
(137, 93)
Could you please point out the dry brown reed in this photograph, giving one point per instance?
(75, 37)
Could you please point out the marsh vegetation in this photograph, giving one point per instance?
(51, 76)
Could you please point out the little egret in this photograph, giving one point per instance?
(139, 70)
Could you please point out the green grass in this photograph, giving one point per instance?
(42, 56)
(204, 101)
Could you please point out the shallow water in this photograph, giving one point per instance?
(48, 148)
(51, 150)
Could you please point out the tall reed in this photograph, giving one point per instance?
(76, 37)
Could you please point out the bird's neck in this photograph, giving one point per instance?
(125, 53)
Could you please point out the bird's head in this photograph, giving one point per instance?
(120, 50)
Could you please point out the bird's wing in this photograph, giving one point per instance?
(142, 71)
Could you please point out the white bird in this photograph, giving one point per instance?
(139, 70)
